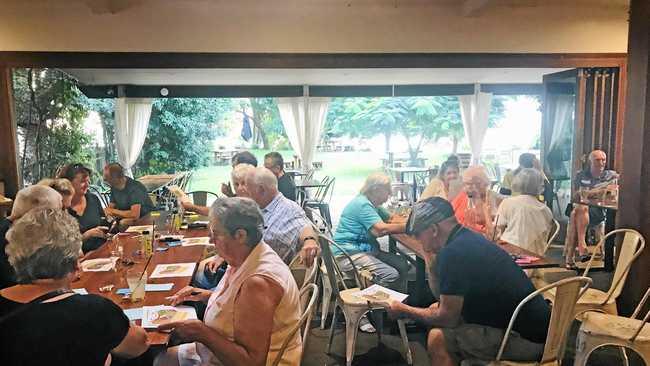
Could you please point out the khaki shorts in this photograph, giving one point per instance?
(473, 341)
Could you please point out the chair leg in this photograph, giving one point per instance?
(352, 319)
(626, 361)
(585, 345)
(405, 341)
(326, 300)
(331, 336)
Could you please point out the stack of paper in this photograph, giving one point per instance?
(202, 240)
(99, 264)
(153, 316)
(173, 270)
(140, 229)
(380, 295)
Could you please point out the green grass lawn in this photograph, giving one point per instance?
(349, 168)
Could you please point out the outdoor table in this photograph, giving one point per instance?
(400, 172)
(92, 281)
(303, 185)
(153, 182)
(420, 268)
(296, 173)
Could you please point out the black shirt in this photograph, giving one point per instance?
(77, 330)
(91, 217)
(134, 193)
(287, 187)
(7, 275)
(492, 285)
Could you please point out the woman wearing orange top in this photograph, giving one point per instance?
(476, 205)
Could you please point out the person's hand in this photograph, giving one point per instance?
(109, 211)
(310, 250)
(214, 264)
(187, 204)
(394, 309)
(189, 293)
(226, 189)
(96, 232)
(185, 331)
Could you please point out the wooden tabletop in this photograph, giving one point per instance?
(92, 281)
(414, 245)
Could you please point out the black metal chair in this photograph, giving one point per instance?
(202, 198)
(322, 199)
(104, 194)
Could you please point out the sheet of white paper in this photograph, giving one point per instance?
(158, 286)
(380, 295)
(201, 240)
(153, 316)
(173, 270)
(173, 237)
(133, 314)
(139, 229)
(80, 291)
(99, 264)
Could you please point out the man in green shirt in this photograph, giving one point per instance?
(129, 198)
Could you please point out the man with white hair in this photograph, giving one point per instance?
(592, 181)
(36, 196)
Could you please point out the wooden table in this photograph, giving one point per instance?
(92, 281)
(420, 268)
(153, 182)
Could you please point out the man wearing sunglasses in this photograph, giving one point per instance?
(479, 288)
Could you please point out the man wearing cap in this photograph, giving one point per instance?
(480, 286)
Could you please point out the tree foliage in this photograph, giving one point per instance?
(49, 115)
(180, 134)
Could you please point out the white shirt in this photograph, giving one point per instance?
(527, 222)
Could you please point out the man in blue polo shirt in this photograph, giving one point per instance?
(480, 286)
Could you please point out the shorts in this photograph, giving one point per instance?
(596, 215)
(473, 341)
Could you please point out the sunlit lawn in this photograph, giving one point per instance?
(349, 168)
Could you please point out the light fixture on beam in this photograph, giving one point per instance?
(164, 92)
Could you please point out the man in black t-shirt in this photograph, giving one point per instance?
(273, 161)
(480, 286)
(129, 198)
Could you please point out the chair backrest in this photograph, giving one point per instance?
(555, 229)
(310, 174)
(319, 223)
(103, 195)
(568, 292)
(630, 249)
(334, 273)
(637, 311)
(302, 274)
(303, 323)
(202, 198)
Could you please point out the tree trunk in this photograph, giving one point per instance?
(454, 147)
(387, 136)
(257, 121)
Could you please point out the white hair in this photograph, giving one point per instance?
(262, 177)
(43, 244)
(240, 171)
(476, 172)
(528, 181)
(375, 181)
(593, 153)
(36, 196)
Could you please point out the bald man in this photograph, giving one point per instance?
(593, 179)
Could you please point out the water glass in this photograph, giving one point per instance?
(137, 280)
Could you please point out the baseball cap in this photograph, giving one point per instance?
(426, 213)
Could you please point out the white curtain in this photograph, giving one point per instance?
(564, 107)
(474, 111)
(303, 119)
(131, 123)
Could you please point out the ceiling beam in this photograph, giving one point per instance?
(473, 8)
(111, 6)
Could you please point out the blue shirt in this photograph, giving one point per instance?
(284, 220)
(491, 284)
(358, 216)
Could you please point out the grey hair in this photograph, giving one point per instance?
(528, 181)
(44, 244)
(236, 213)
(262, 177)
(240, 171)
(36, 196)
(374, 181)
(61, 185)
(591, 154)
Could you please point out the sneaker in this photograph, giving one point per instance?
(365, 326)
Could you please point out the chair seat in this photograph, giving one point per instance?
(614, 326)
(349, 299)
(506, 363)
(591, 297)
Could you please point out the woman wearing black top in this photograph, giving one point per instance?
(85, 207)
(42, 322)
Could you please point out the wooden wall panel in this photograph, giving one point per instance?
(8, 150)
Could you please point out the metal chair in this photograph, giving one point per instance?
(303, 324)
(302, 274)
(599, 330)
(103, 194)
(570, 290)
(202, 198)
(552, 234)
(322, 199)
(596, 300)
(353, 307)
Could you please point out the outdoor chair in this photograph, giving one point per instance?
(202, 198)
(596, 300)
(321, 200)
(353, 307)
(599, 330)
(104, 194)
(310, 290)
(570, 290)
(302, 274)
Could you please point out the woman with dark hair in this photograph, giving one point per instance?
(85, 207)
(439, 186)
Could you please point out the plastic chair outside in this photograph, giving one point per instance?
(599, 330)
(353, 307)
(596, 300)
(569, 291)
(305, 320)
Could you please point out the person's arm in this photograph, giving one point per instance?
(310, 248)
(445, 314)
(383, 228)
(258, 296)
(201, 210)
(132, 213)
(134, 343)
(189, 293)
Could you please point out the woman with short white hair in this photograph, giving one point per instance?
(476, 205)
(41, 320)
(523, 220)
(238, 176)
(37, 196)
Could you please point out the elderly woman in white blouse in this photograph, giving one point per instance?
(252, 310)
(523, 220)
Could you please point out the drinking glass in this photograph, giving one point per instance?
(137, 280)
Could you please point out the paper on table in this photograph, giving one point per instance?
(153, 316)
(380, 295)
(80, 291)
(151, 287)
(140, 229)
(133, 314)
(99, 264)
(173, 270)
(201, 240)
(171, 237)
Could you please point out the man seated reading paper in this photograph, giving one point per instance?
(480, 287)
(129, 198)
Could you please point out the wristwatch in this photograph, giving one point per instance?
(309, 238)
